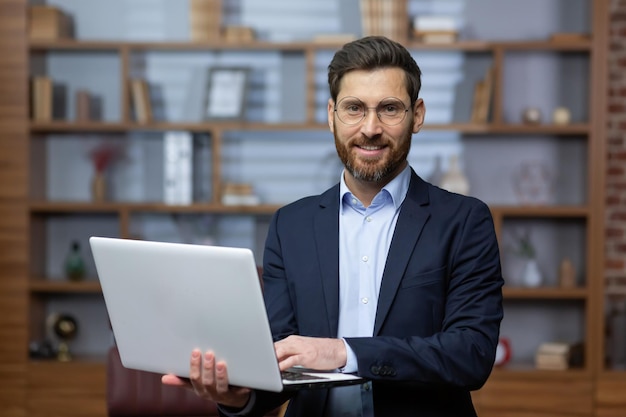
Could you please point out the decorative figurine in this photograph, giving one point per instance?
(561, 116)
(531, 116)
(533, 183)
(567, 274)
(74, 263)
(65, 327)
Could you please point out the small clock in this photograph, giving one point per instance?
(503, 352)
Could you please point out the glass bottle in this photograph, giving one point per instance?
(74, 263)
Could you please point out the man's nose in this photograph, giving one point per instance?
(371, 124)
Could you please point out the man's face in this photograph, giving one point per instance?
(371, 150)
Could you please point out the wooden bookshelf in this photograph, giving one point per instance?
(39, 388)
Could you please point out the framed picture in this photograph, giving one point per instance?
(226, 92)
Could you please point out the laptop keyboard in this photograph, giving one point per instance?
(298, 376)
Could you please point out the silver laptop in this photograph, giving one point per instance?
(165, 299)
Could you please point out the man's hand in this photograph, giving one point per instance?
(209, 380)
(310, 352)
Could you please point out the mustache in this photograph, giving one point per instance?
(377, 140)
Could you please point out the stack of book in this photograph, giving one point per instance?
(559, 356)
(435, 29)
(41, 99)
(238, 194)
(140, 100)
(384, 18)
(205, 20)
(239, 34)
(48, 23)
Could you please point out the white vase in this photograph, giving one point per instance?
(531, 275)
(454, 180)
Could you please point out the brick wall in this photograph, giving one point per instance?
(616, 149)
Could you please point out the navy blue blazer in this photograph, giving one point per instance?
(439, 308)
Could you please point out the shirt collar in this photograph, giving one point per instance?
(397, 188)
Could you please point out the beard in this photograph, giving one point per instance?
(374, 169)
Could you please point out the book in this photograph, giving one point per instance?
(41, 98)
(436, 36)
(479, 88)
(559, 356)
(239, 34)
(177, 168)
(140, 100)
(239, 194)
(483, 92)
(82, 103)
(437, 23)
(48, 23)
(205, 20)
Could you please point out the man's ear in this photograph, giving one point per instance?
(331, 115)
(419, 112)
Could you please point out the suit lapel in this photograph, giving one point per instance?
(409, 226)
(326, 223)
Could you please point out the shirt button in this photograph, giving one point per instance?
(365, 300)
(354, 201)
(365, 258)
(368, 219)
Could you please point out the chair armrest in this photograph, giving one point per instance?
(132, 393)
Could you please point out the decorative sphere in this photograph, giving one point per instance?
(532, 115)
(65, 327)
(561, 116)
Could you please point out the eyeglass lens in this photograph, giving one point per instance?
(390, 111)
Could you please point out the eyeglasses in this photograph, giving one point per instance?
(390, 111)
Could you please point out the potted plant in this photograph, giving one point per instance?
(524, 248)
(101, 156)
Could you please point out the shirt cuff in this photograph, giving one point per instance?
(233, 412)
(351, 364)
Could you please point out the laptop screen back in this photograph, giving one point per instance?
(165, 299)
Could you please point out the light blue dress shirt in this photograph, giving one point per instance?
(365, 235)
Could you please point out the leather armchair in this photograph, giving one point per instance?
(132, 393)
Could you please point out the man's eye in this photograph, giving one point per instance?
(390, 109)
(354, 108)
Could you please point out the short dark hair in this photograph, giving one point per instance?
(370, 53)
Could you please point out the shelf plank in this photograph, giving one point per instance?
(549, 293)
(71, 127)
(74, 207)
(462, 45)
(583, 45)
(42, 206)
(60, 126)
(106, 45)
(78, 363)
(49, 207)
(553, 129)
(42, 285)
(74, 45)
(541, 211)
(518, 370)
